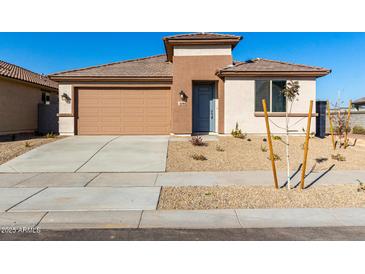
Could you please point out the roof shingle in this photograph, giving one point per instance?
(154, 66)
(264, 65)
(18, 73)
(202, 35)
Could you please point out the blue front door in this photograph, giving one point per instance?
(203, 108)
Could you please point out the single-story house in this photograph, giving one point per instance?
(359, 103)
(195, 87)
(21, 91)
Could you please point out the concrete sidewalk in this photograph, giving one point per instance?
(188, 219)
(22, 180)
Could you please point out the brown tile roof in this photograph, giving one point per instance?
(202, 35)
(18, 73)
(259, 65)
(154, 66)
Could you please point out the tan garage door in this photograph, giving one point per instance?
(123, 111)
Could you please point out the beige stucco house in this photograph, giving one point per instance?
(21, 91)
(195, 87)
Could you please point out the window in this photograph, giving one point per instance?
(46, 99)
(271, 92)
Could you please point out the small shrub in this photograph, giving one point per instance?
(27, 144)
(358, 130)
(237, 133)
(361, 187)
(339, 157)
(321, 160)
(199, 157)
(276, 138)
(263, 148)
(249, 139)
(312, 134)
(276, 157)
(264, 139)
(219, 148)
(198, 141)
(50, 135)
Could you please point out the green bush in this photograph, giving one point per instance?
(358, 130)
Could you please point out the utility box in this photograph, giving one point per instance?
(321, 119)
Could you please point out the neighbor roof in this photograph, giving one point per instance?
(153, 66)
(360, 101)
(18, 73)
(263, 67)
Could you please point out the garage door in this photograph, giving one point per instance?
(123, 111)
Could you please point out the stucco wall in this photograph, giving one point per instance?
(18, 107)
(202, 50)
(239, 106)
(187, 69)
(66, 123)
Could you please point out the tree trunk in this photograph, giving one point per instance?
(287, 148)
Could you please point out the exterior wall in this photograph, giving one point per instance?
(18, 107)
(202, 50)
(357, 118)
(187, 69)
(239, 105)
(66, 121)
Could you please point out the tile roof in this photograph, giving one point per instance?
(18, 73)
(203, 35)
(153, 66)
(360, 101)
(265, 65)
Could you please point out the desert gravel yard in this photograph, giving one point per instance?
(234, 154)
(11, 149)
(195, 197)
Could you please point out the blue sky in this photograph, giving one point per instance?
(51, 52)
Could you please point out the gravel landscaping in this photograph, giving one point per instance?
(194, 197)
(233, 154)
(11, 149)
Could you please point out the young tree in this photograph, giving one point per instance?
(291, 91)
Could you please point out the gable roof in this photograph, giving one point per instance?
(267, 67)
(360, 101)
(202, 35)
(18, 73)
(153, 66)
(200, 38)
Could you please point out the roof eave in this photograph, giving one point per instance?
(316, 74)
(170, 43)
(30, 82)
(111, 78)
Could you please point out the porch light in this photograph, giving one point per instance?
(183, 96)
(65, 98)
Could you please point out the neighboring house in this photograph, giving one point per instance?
(359, 103)
(195, 87)
(21, 91)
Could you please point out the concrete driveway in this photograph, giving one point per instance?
(95, 154)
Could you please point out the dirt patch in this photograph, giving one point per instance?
(12, 149)
(232, 154)
(260, 197)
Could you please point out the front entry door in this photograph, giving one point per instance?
(203, 108)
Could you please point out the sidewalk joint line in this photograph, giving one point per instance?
(22, 181)
(26, 199)
(92, 179)
(238, 219)
(41, 219)
(140, 219)
(157, 175)
(92, 156)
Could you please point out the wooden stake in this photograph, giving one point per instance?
(306, 144)
(347, 123)
(331, 127)
(270, 144)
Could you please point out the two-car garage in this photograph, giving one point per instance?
(122, 111)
